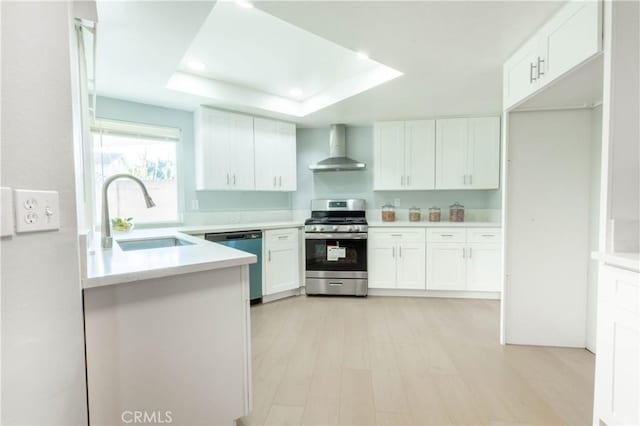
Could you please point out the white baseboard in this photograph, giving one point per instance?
(491, 295)
(282, 295)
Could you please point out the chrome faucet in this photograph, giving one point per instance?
(107, 240)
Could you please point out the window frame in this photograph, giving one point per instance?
(149, 132)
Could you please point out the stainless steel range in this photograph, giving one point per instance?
(336, 248)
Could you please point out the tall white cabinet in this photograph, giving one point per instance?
(275, 155)
(404, 155)
(238, 152)
(468, 153)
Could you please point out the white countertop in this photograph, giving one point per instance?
(629, 261)
(262, 226)
(427, 224)
(115, 266)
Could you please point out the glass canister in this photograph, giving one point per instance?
(388, 213)
(434, 214)
(414, 214)
(456, 212)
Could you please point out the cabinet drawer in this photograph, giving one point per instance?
(282, 236)
(484, 235)
(447, 235)
(414, 234)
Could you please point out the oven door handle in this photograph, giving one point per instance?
(336, 236)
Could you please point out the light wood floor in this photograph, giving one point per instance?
(390, 360)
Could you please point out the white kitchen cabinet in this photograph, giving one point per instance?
(404, 155)
(275, 155)
(468, 153)
(617, 382)
(281, 261)
(446, 266)
(570, 37)
(224, 149)
(396, 258)
(464, 259)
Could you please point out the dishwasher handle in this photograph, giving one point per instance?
(228, 236)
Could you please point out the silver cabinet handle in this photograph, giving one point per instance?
(470, 253)
(274, 181)
(540, 62)
(399, 251)
(402, 180)
(408, 180)
(396, 235)
(234, 179)
(268, 255)
(393, 251)
(280, 178)
(464, 179)
(532, 67)
(464, 253)
(446, 235)
(336, 284)
(470, 179)
(227, 178)
(283, 237)
(488, 235)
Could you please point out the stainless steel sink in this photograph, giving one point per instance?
(153, 243)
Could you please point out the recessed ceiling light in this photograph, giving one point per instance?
(244, 4)
(295, 92)
(362, 55)
(196, 65)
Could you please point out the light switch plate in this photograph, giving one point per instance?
(36, 210)
(7, 227)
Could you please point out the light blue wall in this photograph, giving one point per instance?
(313, 145)
(116, 109)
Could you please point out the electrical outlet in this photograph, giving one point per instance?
(36, 210)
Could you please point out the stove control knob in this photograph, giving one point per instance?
(317, 228)
(352, 228)
(335, 228)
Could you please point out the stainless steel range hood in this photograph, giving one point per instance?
(337, 160)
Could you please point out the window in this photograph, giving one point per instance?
(147, 152)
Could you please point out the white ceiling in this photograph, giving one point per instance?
(451, 53)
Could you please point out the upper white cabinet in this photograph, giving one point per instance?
(404, 155)
(570, 37)
(468, 153)
(275, 155)
(243, 153)
(223, 150)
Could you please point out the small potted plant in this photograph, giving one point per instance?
(120, 224)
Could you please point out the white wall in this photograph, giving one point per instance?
(547, 231)
(43, 376)
(594, 226)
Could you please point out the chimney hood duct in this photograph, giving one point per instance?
(337, 160)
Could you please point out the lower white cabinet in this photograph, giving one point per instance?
(396, 258)
(464, 259)
(617, 382)
(281, 261)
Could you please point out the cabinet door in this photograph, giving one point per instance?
(483, 155)
(520, 73)
(266, 145)
(286, 157)
(451, 153)
(420, 160)
(411, 265)
(241, 151)
(281, 261)
(483, 267)
(446, 266)
(212, 155)
(382, 263)
(389, 156)
(572, 36)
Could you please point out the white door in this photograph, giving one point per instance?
(381, 258)
(241, 151)
(286, 171)
(446, 266)
(420, 160)
(211, 149)
(451, 153)
(389, 156)
(411, 265)
(266, 142)
(483, 157)
(483, 267)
